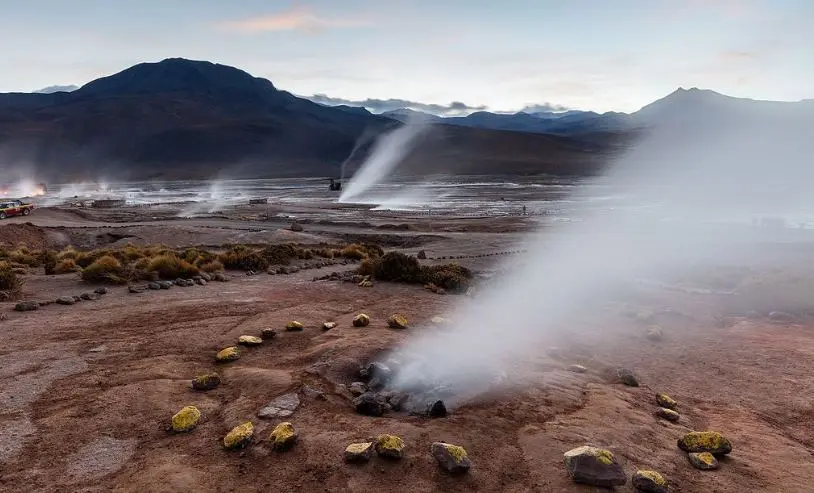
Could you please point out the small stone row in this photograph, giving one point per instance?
(482, 255)
(201, 280)
(31, 305)
(285, 270)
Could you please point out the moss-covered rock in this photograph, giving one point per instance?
(705, 441)
(649, 482)
(666, 401)
(293, 326)
(249, 341)
(359, 452)
(283, 437)
(389, 446)
(703, 460)
(207, 381)
(361, 320)
(186, 419)
(594, 466)
(239, 436)
(397, 321)
(228, 354)
(452, 458)
(668, 414)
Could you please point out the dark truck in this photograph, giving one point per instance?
(9, 208)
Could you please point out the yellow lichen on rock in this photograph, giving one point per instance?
(649, 482)
(654, 477)
(239, 436)
(249, 340)
(359, 452)
(228, 354)
(361, 320)
(452, 458)
(293, 325)
(705, 441)
(390, 446)
(186, 419)
(207, 381)
(666, 401)
(706, 458)
(283, 436)
(397, 321)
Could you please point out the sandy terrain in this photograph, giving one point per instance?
(88, 390)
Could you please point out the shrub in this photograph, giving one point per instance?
(396, 266)
(84, 259)
(366, 268)
(170, 266)
(243, 258)
(452, 277)
(23, 256)
(68, 253)
(279, 254)
(324, 253)
(372, 251)
(354, 251)
(105, 269)
(213, 266)
(49, 261)
(11, 286)
(131, 253)
(66, 266)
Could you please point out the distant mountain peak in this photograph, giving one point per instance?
(53, 89)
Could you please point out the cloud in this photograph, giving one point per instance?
(294, 19)
(455, 108)
(544, 108)
(730, 56)
(51, 89)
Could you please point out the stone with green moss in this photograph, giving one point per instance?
(451, 458)
(649, 482)
(361, 320)
(389, 446)
(359, 452)
(249, 341)
(705, 441)
(283, 437)
(703, 460)
(397, 321)
(665, 400)
(207, 381)
(668, 414)
(228, 354)
(239, 436)
(594, 466)
(293, 326)
(186, 419)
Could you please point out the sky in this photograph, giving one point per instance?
(455, 56)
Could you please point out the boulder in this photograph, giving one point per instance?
(703, 460)
(368, 404)
(705, 441)
(205, 276)
(296, 227)
(206, 381)
(378, 375)
(154, 286)
(228, 354)
(65, 300)
(437, 410)
(27, 306)
(668, 414)
(200, 282)
(577, 369)
(666, 401)
(312, 393)
(654, 333)
(627, 377)
(165, 284)
(397, 321)
(100, 290)
(594, 466)
(76, 299)
(249, 341)
(293, 326)
(649, 482)
(89, 296)
(220, 277)
(283, 437)
(328, 325)
(267, 334)
(281, 407)
(239, 436)
(186, 419)
(357, 388)
(135, 289)
(422, 255)
(451, 458)
(358, 452)
(361, 320)
(389, 446)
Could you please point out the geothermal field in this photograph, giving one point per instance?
(648, 327)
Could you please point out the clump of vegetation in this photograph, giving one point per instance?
(452, 277)
(11, 286)
(85, 259)
(66, 266)
(105, 269)
(366, 268)
(243, 258)
(213, 266)
(279, 254)
(398, 267)
(170, 266)
(25, 257)
(354, 251)
(49, 261)
(67, 253)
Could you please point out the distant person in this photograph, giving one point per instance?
(524, 210)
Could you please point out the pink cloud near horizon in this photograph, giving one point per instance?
(294, 19)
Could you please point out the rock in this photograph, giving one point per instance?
(379, 375)
(654, 333)
(100, 291)
(627, 377)
(98, 349)
(186, 419)
(44, 302)
(368, 404)
(577, 369)
(239, 436)
(357, 388)
(249, 272)
(359, 452)
(312, 393)
(26, 306)
(283, 437)
(705, 441)
(440, 321)
(164, 284)
(397, 400)
(366, 284)
(668, 414)
(65, 300)
(249, 340)
(267, 334)
(296, 227)
(437, 410)
(134, 289)
(281, 407)
(451, 458)
(594, 466)
(389, 446)
(228, 354)
(666, 401)
(649, 482)
(200, 282)
(206, 381)
(76, 299)
(89, 296)
(422, 255)
(328, 325)
(205, 276)
(397, 321)
(220, 277)
(154, 286)
(361, 320)
(293, 326)
(282, 270)
(782, 317)
(703, 460)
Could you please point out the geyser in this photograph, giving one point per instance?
(694, 186)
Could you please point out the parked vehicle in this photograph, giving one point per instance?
(11, 208)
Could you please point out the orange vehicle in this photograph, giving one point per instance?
(10, 208)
